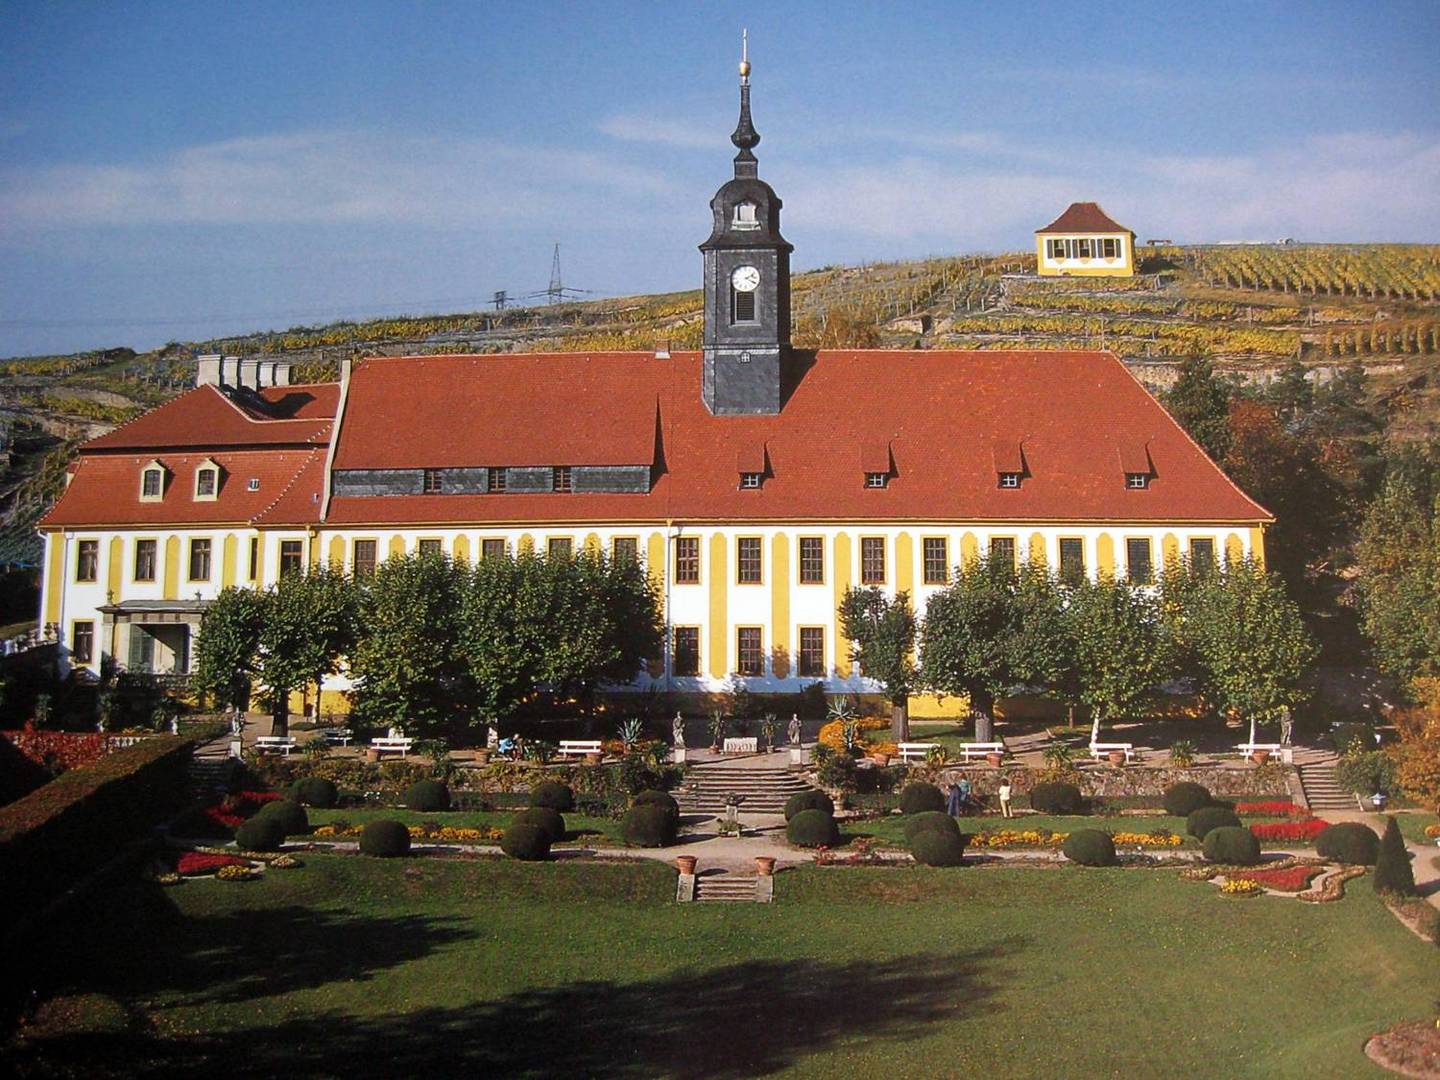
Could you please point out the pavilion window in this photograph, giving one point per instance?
(87, 560)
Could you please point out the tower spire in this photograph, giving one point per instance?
(745, 136)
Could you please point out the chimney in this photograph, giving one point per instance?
(662, 349)
(207, 370)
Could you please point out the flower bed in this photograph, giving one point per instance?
(1432, 832)
(1291, 880)
(1240, 887)
(1160, 838)
(197, 863)
(1305, 830)
(1272, 808)
(424, 831)
(1012, 838)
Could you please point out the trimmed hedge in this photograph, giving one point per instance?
(528, 843)
(812, 828)
(1393, 872)
(1232, 844)
(1184, 798)
(427, 796)
(934, 847)
(545, 819)
(385, 839)
(70, 827)
(315, 791)
(291, 816)
(662, 799)
(649, 826)
(1199, 823)
(1348, 842)
(263, 832)
(1090, 847)
(808, 800)
(553, 794)
(929, 821)
(919, 798)
(1057, 797)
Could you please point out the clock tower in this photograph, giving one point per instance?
(747, 284)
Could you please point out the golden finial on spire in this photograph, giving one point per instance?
(745, 55)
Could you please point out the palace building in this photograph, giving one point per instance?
(1085, 241)
(756, 481)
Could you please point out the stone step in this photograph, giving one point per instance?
(725, 888)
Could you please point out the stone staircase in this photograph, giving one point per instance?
(764, 789)
(1317, 777)
(726, 889)
(210, 773)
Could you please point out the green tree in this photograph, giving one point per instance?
(965, 645)
(227, 650)
(1399, 579)
(882, 636)
(1200, 401)
(309, 626)
(1393, 874)
(1121, 652)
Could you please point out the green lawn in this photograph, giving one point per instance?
(581, 828)
(892, 826)
(1413, 827)
(357, 967)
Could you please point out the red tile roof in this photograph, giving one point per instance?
(206, 417)
(1084, 217)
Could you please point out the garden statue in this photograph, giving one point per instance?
(677, 732)
(492, 738)
(1287, 726)
(793, 730)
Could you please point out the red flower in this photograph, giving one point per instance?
(1274, 808)
(1292, 879)
(195, 862)
(1289, 830)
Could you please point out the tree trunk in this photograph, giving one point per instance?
(900, 720)
(280, 718)
(982, 710)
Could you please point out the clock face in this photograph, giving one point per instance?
(745, 279)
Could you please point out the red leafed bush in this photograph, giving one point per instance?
(59, 751)
(1289, 830)
(194, 862)
(220, 817)
(1291, 879)
(1278, 808)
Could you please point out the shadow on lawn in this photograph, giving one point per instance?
(747, 1019)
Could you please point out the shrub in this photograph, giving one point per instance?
(385, 839)
(918, 798)
(1232, 844)
(808, 800)
(315, 791)
(547, 820)
(935, 847)
(648, 825)
(1184, 798)
(1090, 847)
(427, 796)
(527, 842)
(837, 771)
(1348, 842)
(812, 828)
(662, 799)
(260, 833)
(1393, 873)
(555, 795)
(289, 813)
(1199, 822)
(1365, 771)
(929, 821)
(1057, 797)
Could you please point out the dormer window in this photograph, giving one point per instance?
(1137, 481)
(207, 481)
(746, 217)
(431, 482)
(152, 482)
(1009, 479)
(253, 484)
(876, 479)
(1136, 465)
(751, 479)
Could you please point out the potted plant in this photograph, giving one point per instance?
(1260, 757)
(1117, 757)
(717, 729)
(995, 758)
(765, 865)
(686, 864)
(769, 725)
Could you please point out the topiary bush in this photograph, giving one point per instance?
(315, 791)
(1057, 797)
(427, 796)
(260, 833)
(385, 839)
(662, 799)
(936, 847)
(919, 798)
(812, 828)
(1200, 822)
(808, 800)
(929, 821)
(1090, 847)
(555, 795)
(1232, 844)
(1393, 873)
(1348, 842)
(290, 814)
(648, 825)
(547, 820)
(1184, 798)
(529, 843)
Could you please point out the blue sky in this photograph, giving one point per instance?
(174, 171)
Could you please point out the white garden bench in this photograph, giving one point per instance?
(392, 744)
(970, 751)
(341, 735)
(579, 747)
(741, 745)
(916, 751)
(1105, 749)
(1283, 752)
(275, 744)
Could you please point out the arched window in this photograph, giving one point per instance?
(746, 216)
(152, 482)
(207, 480)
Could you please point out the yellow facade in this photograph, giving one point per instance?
(1089, 266)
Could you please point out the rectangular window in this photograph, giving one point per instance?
(685, 654)
(812, 560)
(742, 306)
(254, 557)
(432, 484)
(1084, 246)
(144, 560)
(496, 480)
(560, 478)
(1202, 553)
(200, 559)
(82, 642)
(253, 484)
(292, 557)
(875, 479)
(812, 652)
(1110, 247)
(364, 561)
(687, 560)
(492, 549)
(751, 479)
(87, 560)
(1009, 479)
(1002, 550)
(1072, 559)
(205, 484)
(748, 652)
(937, 560)
(1137, 561)
(747, 560)
(624, 549)
(151, 483)
(872, 560)
(1137, 481)
(430, 549)
(559, 547)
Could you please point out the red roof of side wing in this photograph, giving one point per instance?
(206, 417)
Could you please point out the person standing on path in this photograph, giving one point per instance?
(1005, 797)
(956, 800)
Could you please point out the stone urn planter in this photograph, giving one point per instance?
(880, 759)
(995, 759)
(372, 755)
(1117, 757)
(1260, 757)
(765, 865)
(593, 759)
(482, 756)
(686, 864)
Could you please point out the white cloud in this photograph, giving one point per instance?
(683, 134)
